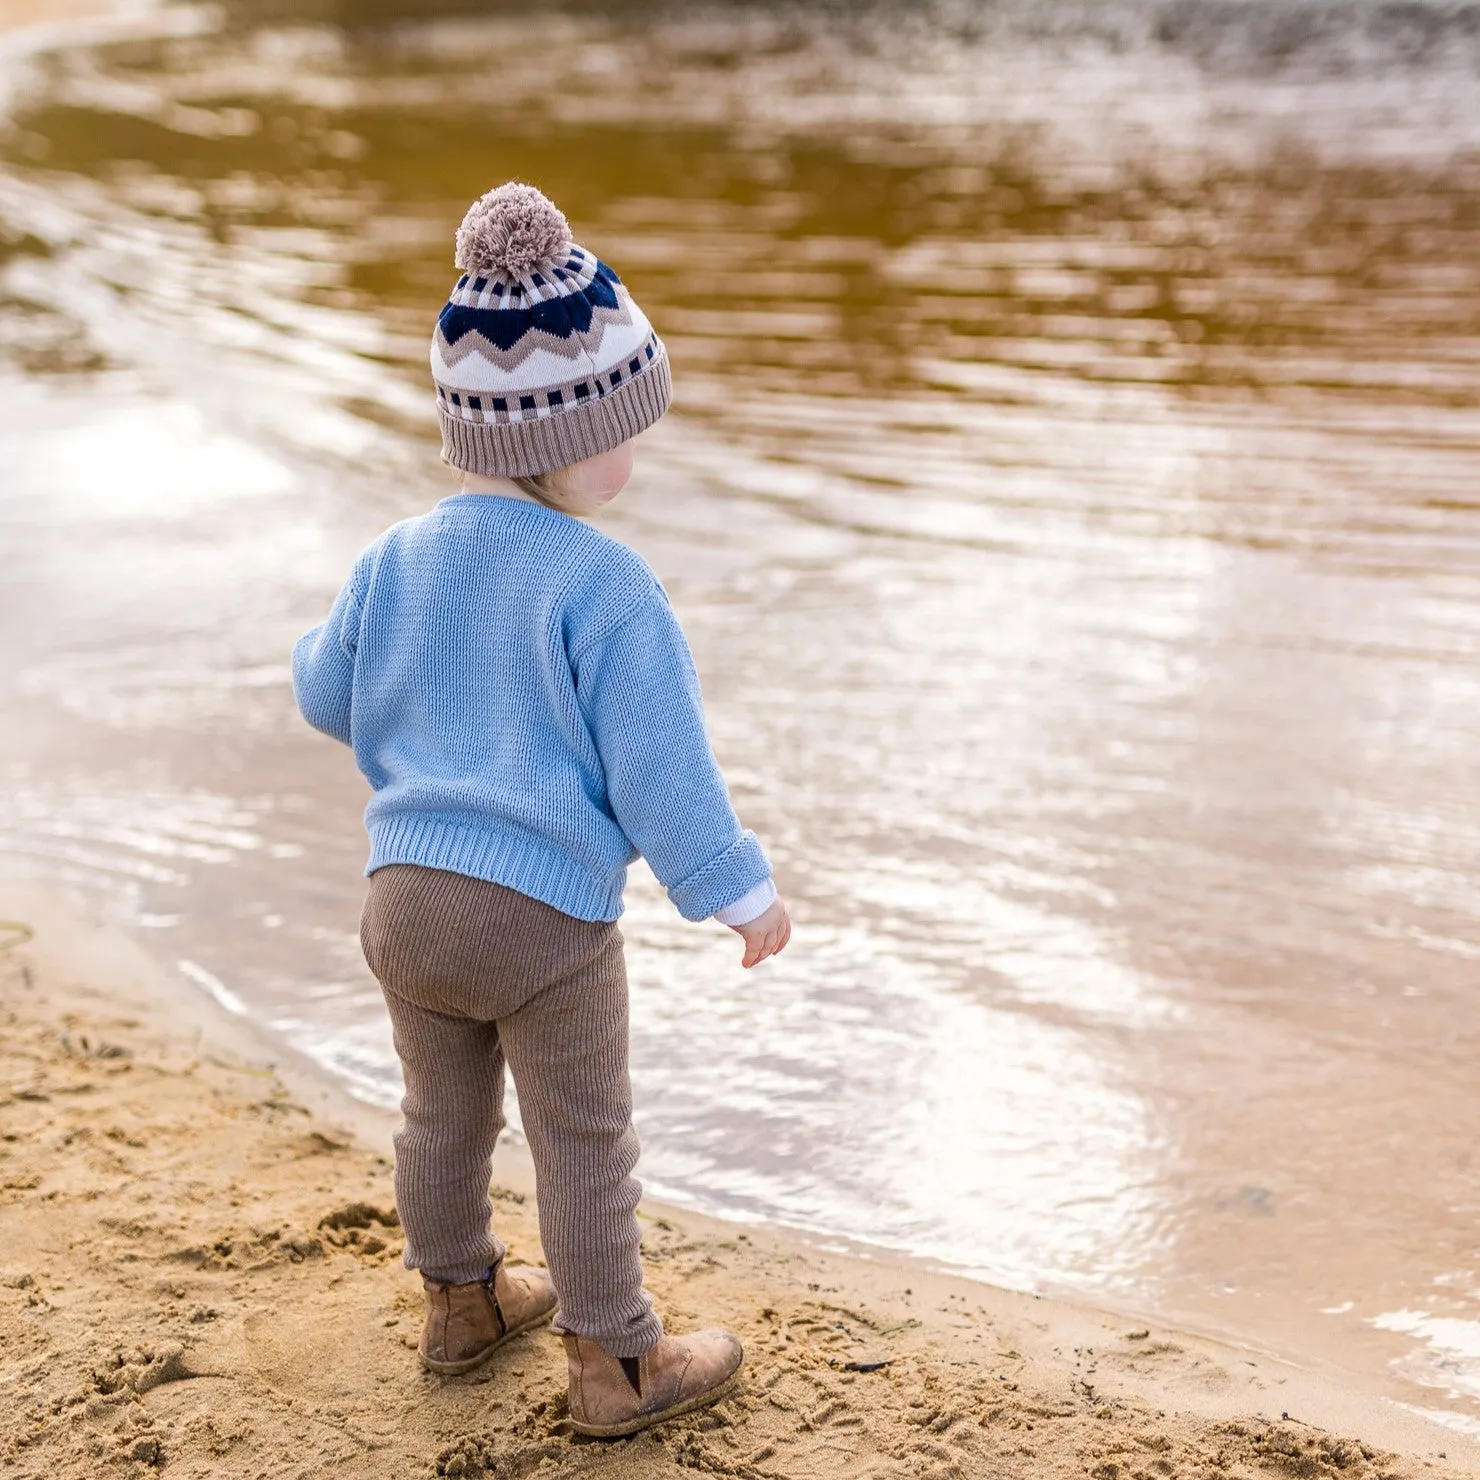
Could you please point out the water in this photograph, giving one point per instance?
(1071, 498)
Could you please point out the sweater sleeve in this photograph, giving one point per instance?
(324, 660)
(639, 692)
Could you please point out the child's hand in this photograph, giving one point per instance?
(766, 934)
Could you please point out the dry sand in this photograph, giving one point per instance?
(199, 1274)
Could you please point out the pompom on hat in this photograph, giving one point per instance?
(540, 356)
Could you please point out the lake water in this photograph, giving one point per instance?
(1073, 498)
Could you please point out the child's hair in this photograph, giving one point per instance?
(536, 485)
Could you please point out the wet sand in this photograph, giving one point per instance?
(198, 1273)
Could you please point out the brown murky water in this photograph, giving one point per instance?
(1073, 500)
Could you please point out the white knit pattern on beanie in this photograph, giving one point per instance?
(540, 356)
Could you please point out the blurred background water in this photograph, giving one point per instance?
(1072, 499)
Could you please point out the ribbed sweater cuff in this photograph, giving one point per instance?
(722, 880)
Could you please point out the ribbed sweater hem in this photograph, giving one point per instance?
(516, 863)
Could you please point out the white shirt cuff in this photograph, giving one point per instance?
(750, 906)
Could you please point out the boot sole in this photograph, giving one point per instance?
(456, 1369)
(647, 1420)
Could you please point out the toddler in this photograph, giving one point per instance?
(520, 697)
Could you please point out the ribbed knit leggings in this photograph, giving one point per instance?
(476, 976)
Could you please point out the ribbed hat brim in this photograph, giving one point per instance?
(521, 449)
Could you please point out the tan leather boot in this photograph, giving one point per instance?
(466, 1323)
(610, 1396)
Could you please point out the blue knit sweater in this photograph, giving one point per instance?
(519, 694)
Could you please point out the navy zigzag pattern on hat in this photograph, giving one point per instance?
(540, 356)
(503, 312)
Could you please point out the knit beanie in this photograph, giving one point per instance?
(540, 357)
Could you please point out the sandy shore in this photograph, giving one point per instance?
(199, 1273)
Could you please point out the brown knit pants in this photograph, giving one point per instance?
(477, 975)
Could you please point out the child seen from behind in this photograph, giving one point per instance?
(520, 697)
